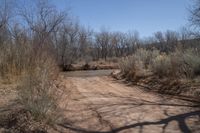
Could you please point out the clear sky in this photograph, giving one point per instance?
(145, 16)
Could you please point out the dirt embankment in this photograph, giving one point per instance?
(186, 88)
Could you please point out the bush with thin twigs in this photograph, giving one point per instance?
(37, 93)
(161, 65)
(138, 64)
(14, 60)
(185, 63)
(178, 64)
(174, 73)
(146, 56)
(131, 67)
(35, 71)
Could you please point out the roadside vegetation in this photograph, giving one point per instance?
(175, 73)
(37, 41)
(27, 60)
(169, 62)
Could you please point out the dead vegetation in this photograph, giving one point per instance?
(173, 73)
(110, 63)
(37, 39)
(27, 62)
(18, 121)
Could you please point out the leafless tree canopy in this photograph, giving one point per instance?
(42, 26)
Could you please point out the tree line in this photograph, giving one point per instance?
(47, 29)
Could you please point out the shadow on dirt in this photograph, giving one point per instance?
(180, 119)
(132, 103)
(14, 119)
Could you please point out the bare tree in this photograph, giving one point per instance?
(5, 13)
(5, 16)
(166, 41)
(133, 41)
(160, 40)
(84, 41)
(171, 40)
(115, 42)
(195, 14)
(42, 20)
(68, 44)
(103, 43)
(194, 18)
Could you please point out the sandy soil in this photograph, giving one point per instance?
(101, 104)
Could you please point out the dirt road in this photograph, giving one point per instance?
(100, 104)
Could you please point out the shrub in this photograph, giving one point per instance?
(14, 60)
(139, 63)
(87, 59)
(161, 65)
(113, 60)
(35, 72)
(186, 63)
(131, 67)
(126, 64)
(181, 63)
(146, 56)
(37, 93)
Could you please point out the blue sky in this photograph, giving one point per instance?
(145, 16)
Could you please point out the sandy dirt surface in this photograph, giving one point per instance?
(101, 104)
(7, 94)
